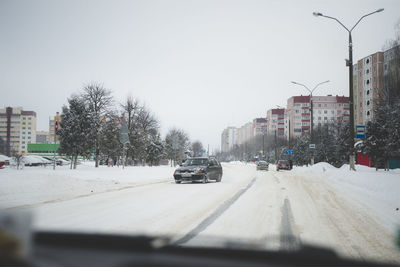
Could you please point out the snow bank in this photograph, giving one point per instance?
(32, 159)
(31, 186)
(4, 158)
(376, 191)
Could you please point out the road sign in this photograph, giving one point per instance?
(289, 152)
(360, 131)
(311, 146)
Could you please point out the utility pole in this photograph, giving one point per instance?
(349, 63)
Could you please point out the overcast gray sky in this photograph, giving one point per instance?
(198, 65)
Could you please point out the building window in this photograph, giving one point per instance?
(332, 111)
(23, 118)
(368, 113)
(367, 71)
(374, 68)
(29, 118)
(319, 112)
(367, 102)
(325, 112)
(325, 118)
(368, 81)
(319, 118)
(319, 105)
(367, 61)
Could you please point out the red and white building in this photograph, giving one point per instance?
(277, 122)
(259, 126)
(325, 108)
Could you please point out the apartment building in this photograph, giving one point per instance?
(259, 126)
(17, 128)
(229, 138)
(42, 137)
(52, 120)
(245, 133)
(325, 109)
(368, 84)
(277, 122)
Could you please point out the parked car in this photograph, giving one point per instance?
(283, 165)
(262, 165)
(199, 170)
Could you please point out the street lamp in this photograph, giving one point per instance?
(311, 110)
(349, 63)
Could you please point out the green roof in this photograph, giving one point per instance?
(41, 147)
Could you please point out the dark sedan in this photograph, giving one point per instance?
(199, 170)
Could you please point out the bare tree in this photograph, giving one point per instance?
(197, 147)
(177, 143)
(98, 100)
(18, 158)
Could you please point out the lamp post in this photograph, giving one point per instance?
(349, 63)
(311, 111)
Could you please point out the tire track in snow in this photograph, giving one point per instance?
(288, 240)
(164, 181)
(213, 216)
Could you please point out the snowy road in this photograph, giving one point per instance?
(270, 207)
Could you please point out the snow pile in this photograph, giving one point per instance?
(32, 159)
(31, 186)
(377, 191)
(4, 158)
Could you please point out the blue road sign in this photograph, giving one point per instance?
(360, 131)
(289, 152)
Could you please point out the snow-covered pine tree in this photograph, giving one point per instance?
(301, 151)
(76, 134)
(155, 149)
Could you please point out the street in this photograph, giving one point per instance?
(277, 208)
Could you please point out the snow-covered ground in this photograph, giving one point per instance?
(36, 185)
(352, 212)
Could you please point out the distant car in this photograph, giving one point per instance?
(199, 170)
(283, 165)
(262, 165)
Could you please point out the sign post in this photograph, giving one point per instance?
(55, 140)
(289, 152)
(360, 131)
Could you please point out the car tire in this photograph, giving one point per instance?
(219, 178)
(177, 181)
